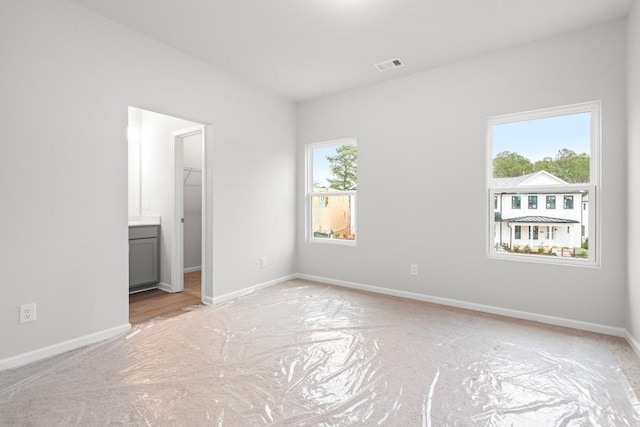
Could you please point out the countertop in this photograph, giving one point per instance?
(141, 221)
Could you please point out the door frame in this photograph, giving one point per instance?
(177, 254)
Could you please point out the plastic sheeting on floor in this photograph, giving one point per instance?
(304, 354)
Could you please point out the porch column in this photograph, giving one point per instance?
(571, 236)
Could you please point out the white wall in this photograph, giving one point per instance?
(422, 143)
(633, 160)
(133, 138)
(192, 202)
(156, 177)
(66, 80)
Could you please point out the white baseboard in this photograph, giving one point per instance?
(235, 294)
(635, 345)
(143, 289)
(32, 356)
(55, 349)
(192, 269)
(164, 287)
(542, 318)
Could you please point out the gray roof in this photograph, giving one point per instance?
(541, 220)
(512, 181)
(517, 181)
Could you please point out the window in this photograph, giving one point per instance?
(551, 202)
(331, 190)
(495, 202)
(568, 202)
(515, 202)
(551, 153)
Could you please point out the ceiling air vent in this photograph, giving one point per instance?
(388, 65)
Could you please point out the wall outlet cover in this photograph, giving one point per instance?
(28, 313)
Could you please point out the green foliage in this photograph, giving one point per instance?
(527, 249)
(546, 164)
(344, 168)
(571, 167)
(566, 165)
(516, 248)
(508, 164)
(540, 249)
(585, 244)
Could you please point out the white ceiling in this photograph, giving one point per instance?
(303, 49)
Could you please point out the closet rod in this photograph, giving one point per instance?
(189, 170)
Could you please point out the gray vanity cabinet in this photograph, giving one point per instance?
(144, 255)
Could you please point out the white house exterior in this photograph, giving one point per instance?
(539, 219)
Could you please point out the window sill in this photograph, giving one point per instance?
(545, 259)
(338, 242)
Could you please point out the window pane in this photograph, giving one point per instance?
(515, 202)
(559, 146)
(551, 202)
(335, 168)
(533, 202)
(550, 231)
(332, 217)
(568, 202)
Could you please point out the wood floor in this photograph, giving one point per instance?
(155, 303)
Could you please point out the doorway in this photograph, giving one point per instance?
(188, 165)
(167, 187)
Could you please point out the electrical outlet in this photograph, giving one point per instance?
(28, 313)
(263, 262)
(414, 269)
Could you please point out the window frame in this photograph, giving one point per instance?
(533, 199)
(310, 194)
(593, 188)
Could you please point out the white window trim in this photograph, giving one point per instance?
(594, 208)
(309, 194)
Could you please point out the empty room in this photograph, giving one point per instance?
(320, 213)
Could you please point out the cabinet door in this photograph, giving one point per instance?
(143, 261)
